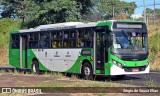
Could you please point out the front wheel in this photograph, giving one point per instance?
(87, 72)
(35, 67)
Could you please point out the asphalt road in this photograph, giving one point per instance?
(150, 80)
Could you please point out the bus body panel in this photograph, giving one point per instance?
(14, 53)
(61, 60)
(115, 70)
(14, 57)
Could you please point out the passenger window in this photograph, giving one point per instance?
(66, 39)
(15, 41)
(80, 38)
(56, 39)
(44, 40)
(88, 38)
(33, 40)
(66, 34)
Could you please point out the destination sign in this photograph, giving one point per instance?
(124, 25)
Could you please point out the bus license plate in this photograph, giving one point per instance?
(135, 69)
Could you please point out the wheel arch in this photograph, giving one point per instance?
(84, 61)
(35, 59)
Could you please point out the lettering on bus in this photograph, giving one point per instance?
(58, 28)
(56, 55)
(68, 55)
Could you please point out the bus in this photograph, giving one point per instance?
(109, 48)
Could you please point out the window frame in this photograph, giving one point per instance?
(15, 41)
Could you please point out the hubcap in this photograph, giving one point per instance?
(34, 68)
(87, 71)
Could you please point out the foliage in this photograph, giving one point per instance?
(6, 25)
(106, 6)
(151, 11)
(17, 9)
(36, 12)
(55, 11)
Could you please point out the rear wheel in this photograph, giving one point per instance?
(87, 72)
(35, 67)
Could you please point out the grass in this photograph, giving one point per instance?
(73, 81)
(151, 83)
(154, 47)
(4, 57)
(12, 94)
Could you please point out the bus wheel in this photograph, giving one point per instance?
(35, 67)
(87, 72)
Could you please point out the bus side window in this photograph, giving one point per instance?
(15, 43)
(54, 44)
(72, 39)
(88, 38)
(44, 40)
(56, 39)
(33, 40)
(80, 37)
(66, 39)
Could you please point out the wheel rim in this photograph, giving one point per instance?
(34, 68)
(87, 71)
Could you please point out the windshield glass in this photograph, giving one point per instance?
(124, 42)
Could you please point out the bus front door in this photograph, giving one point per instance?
(23, 51)
(100, 52)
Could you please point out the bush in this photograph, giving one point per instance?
(6, 25)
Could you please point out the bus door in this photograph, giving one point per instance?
(23, 51)
(100, 50)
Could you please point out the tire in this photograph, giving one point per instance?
(87, 72)
(35, 67)
(120, 76)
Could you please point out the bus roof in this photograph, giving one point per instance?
(58, 26)
(70, 25)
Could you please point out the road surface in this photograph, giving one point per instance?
(150, 80)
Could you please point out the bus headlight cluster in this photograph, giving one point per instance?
(117, 63)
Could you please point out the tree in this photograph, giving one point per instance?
(53, 11)
(109, 7)
(36, 12)
(17, 9)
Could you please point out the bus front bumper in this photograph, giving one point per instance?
(115, 70)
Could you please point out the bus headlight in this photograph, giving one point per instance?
(117, 63)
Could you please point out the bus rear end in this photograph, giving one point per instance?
(14, 49)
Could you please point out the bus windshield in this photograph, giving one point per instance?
(126, 42)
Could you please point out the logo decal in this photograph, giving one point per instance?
(56, 55)
(68, 55)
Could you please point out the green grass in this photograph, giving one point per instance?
(154, 49)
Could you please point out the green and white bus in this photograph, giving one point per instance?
(96, 48)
